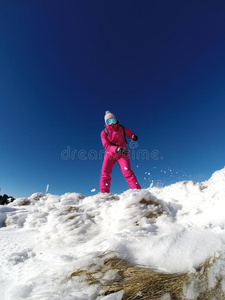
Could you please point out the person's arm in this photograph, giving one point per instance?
(130, 134)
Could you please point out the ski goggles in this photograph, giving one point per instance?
(111, 121)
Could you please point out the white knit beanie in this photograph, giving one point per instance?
(109, 115)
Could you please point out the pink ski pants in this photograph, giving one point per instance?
(124, 163)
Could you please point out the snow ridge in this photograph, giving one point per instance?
(44, 238)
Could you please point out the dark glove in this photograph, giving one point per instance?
(134, 138)
(121, 150)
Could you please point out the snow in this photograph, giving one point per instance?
(45, 238)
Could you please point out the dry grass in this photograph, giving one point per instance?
(71, 209)
(201, 282)
(152, 215)
(142, 283)
(156, 208)
(137, 282)
(147, 284)
(21, 202)
(149, 202)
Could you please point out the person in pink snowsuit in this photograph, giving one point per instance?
(113, 140)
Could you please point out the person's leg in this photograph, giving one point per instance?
(105, 180)
(125, 167)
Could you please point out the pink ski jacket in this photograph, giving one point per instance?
(115, 136)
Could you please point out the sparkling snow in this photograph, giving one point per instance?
(44, 238)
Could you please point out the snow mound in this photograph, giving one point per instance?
(44, 238)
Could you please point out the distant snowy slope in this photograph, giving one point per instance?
(44, 238)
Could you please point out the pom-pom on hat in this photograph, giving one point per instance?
(108, 115)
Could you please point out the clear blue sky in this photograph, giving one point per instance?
(159, 66)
